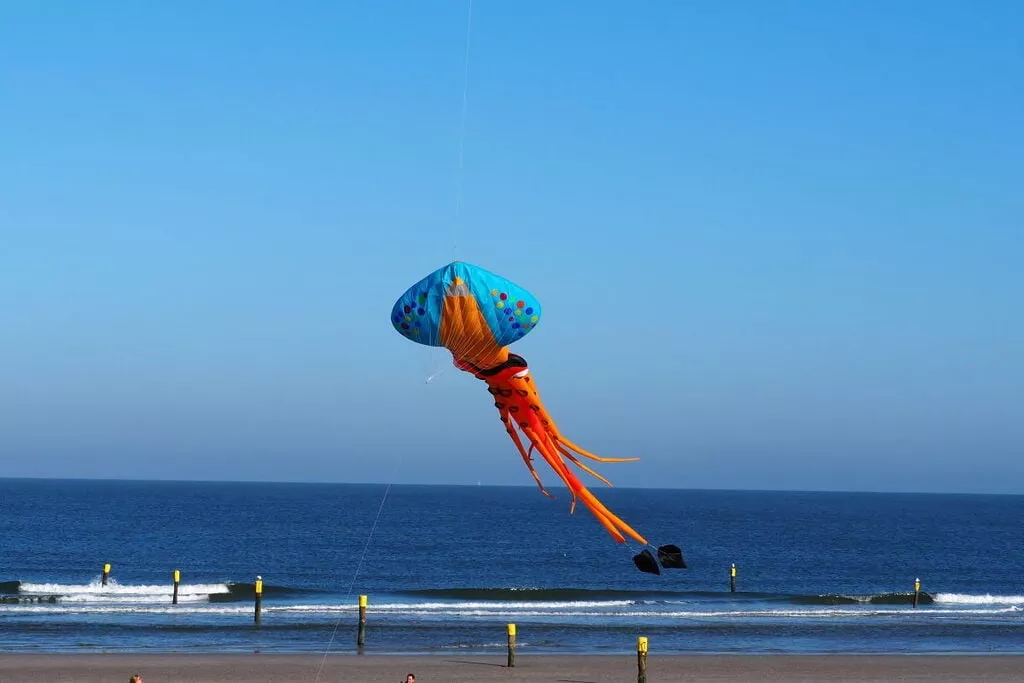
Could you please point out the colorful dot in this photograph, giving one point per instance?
(419, 311)
(407, 309)
(515, 324)
(494, 292)
(500, 304)
(405, 326)
(520, 304)
(529, 311)
(503, 296)
(533, 319)
(511, 319)
(519, 311)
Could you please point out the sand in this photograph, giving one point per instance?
(259, 668)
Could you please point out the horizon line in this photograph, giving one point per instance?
(481, 485)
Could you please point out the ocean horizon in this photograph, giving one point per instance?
(446, 567)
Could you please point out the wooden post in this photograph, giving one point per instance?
(511, 645)
(106, 573)
(917, 590)
(732, 578)
(361, 637)
(177, 579)
(641, 659)
(259, 599)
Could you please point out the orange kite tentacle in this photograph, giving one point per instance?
(503, 413)
(519, 406)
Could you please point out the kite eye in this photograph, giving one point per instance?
(522, 373)
(522, 392)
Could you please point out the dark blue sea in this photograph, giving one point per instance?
(446, 568)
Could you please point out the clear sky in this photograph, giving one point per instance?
(778, 245)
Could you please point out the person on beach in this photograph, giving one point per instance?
(410, 678)
(137, 678)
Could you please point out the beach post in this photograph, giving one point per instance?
(106, 573)
(361, 637)
(641, 659)
(917, 590)
(259, 599)
(177, 579)
(511, 645)
(732, 578)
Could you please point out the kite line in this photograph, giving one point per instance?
(458, 212)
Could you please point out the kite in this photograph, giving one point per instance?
(476, 315)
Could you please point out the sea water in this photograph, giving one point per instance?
(446, 568)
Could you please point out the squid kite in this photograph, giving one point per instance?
(476, 315)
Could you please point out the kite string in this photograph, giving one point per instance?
(433, 372)
(462, 130)
(359, 565)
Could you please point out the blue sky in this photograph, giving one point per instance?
(778, 245)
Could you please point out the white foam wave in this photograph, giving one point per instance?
(115, 592)
(418, 611)
(987, 599)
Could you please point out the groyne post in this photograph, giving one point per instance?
(732, 578)
(511, 645)
(106, 573)
(177, 579)
(917, 590)
(259, 599)
(361, 637)
(641, 659)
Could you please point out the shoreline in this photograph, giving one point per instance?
(583, 668)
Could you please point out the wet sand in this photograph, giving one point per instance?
(260, 668)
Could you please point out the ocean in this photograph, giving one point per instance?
(446, 568)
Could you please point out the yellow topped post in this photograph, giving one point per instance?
(106, 573)
(917, 590)
(641, 659)
(177, 580)
(732, 578)
(361, 635)
(511, 628)
(259, 599)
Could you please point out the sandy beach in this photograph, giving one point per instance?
(258, 668)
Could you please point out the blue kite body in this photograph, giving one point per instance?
(509, 310)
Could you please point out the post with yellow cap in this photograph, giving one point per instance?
(259, 599)
(106, 573)
(732, 578)
(177, 580)
(641, 659)
(511, 645)
(361, 637)
(917, 590)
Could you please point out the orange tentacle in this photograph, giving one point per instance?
(611, 522)
(519, 406)
(574, 484)
(588, 454)
(526, 456)
(574, 459)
